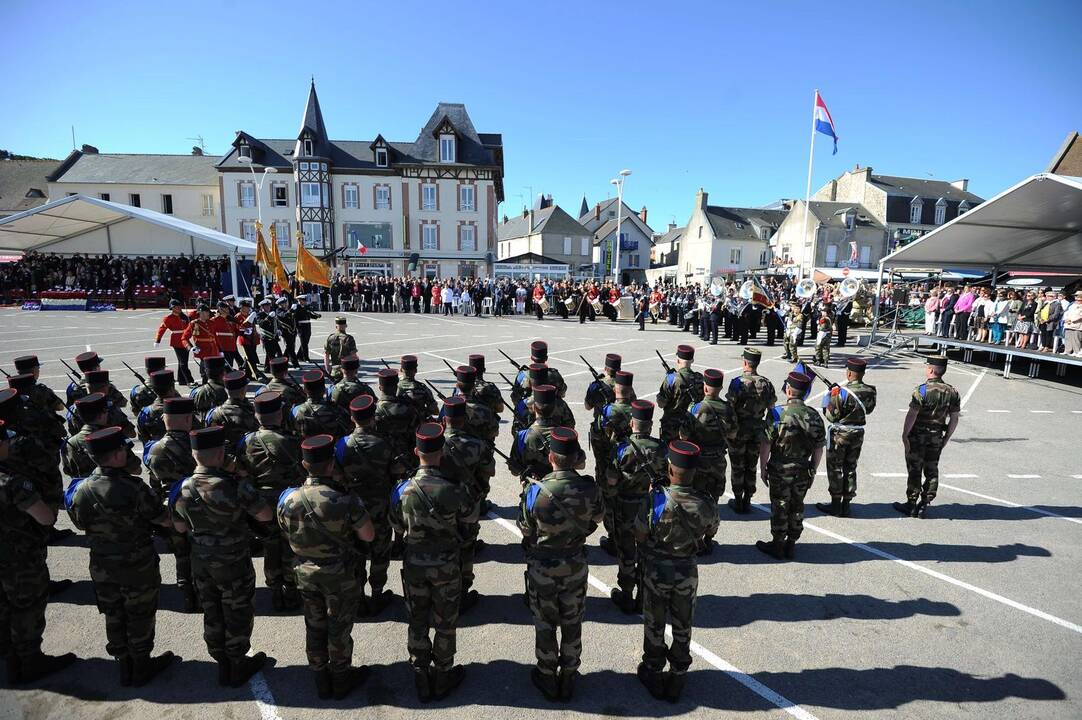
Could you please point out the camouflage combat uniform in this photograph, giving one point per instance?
(530, 451)
(711, 425)
(139, 397)
(934, 400)
(678, 391)
(292, 393)
(396, 421)
(321, 417)
(846, 410)
(467, 459)
(489, 394)
(209, 395)
(793, 324)
(76, 458)
(794, 431)
(750, 396)
(115, 417)
(599, 394)
(824, 327)
(345, 390)
(44, 397)
(77, 391)
(149, 423)
(237, 418)
(421, 397)
(24, 572)
(169, 461)
(338, 346)
(638, 464)
(614, 424)
(556, 517)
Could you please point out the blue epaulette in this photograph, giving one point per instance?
(775, 414)
(520, 379)
(396, 495)
(242, 444)
(694, 410)
(340, 450)
(143, 415)
(282, 497)
(670, 379)
(294, 411)
(69, 494)
(206, 419)
(133, 393)
(146, 452)
(735, 384)
(327, 393)
(69, 391)
(923, 390)
(520, 407)
(192, 392)
(69, 414)
(531, 495)
(174, 492)
(622, 449)
(658, 503)
(520, 440)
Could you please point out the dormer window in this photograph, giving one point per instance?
(447, 148)
(850, 220)
(244, 150)
(940, 211)
(963, 206)
(916, 206)
(308, 147)
(381, 157)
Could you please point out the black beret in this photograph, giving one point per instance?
(87, 360)
(623, 377)
(22, 383)
(96, 377)
(26, 363)
(318, 448)
(313, 379)
(539, 350)
(363, 407)
(179, 406)
(713, 377)
(683, 454)
(214, 363)
(222, 305)
(92, 405)
(429, 437)
(203, 307)
(538, 372)
(752, 355)
(208, 438)
(466, 374)
(478, 362)
(613, 361)
(799, 381)
(279, 364)
(174, 303)
(564, 441)
(105, 440)
(235, 380)
(268, 402)
(350, 362)
(339, 320)
(642, 410)
(454, 407)
(387, 377)
(938, 361)
(153, 363)
(856, 364)
(162, 379)
(9, 403)
(544, 395)
(685, 352)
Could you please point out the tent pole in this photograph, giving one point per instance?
(108, 240)
(995, 276)
(233, 271)
(878, 301)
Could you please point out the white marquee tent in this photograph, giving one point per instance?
(81, 224)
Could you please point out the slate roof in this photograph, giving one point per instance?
(671, 236)
(832, 214)
(550, 219)
(933, 189)
(724, 221)
(596, 226)
(18, 178)
(312, 121)
(136, 169)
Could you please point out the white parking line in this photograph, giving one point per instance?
(973, 387)
(264, 698)
(1024, 477)
(1031, 508)
(998, 411)
(777, 700)
(957, 476)
(1043, 412)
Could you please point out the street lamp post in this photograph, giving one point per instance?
(618, 181)
(258, 180)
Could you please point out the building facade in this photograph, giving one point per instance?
(725, 241)
(23, 184)
(548, 232)
(835, 235)
(184, 186)
(636, 239)
(425, 208)
(666, 250)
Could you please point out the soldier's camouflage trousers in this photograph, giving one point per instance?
(627, 555)
(791, 348)
(24, 593)
(277, 554)
(925, 447)
(788, 487)
(602, 450)
(128, 597)
(669, 589)
(226, 588)
(744, 460)
(433, 593)
(557, 590)
(331, 595)
(670, 426)
(373, 568)
(471, 529)
(710, 477)
(842, 457)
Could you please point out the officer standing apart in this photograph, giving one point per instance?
(788, 459)
(929, 425)
(670, 526)
(846, 410)
(303, 317)
(339, 344)
(322, 521)
(557, 514)
(678, 391)
(750, 395)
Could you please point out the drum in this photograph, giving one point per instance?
(654, 309)
(625, 308)
(544, 304)
(598, 307)
(569, 303)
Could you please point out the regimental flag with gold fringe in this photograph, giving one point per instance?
(262, 255)
(760, 295)
(309, 269)
(278, 268)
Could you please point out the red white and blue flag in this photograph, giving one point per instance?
(823, 122)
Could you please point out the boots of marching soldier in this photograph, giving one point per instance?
(343, 682)
(241, 671)
(789, 551)
(422, 683)
(845, 508)
(33, 668)
(834, 508)
(607, 545)
(224, 670)
(921, 509)
(674, 686)
(380, 599)
(652, 680)
(905, 508)
(445, 681)
(774, 548)
(144, 669)
(324, 688)
(567, 683)
(624, 599)
(549, 685)
(191, 600)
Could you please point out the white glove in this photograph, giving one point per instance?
(157, 344)
(195, 351)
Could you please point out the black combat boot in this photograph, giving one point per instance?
(736, 504)
(547, 684)
(422, 681)
(567, 683)
(469, 599)
(607, 545)
(345, 681)
(124, 671)
(845, 508)
(478, 546)
(13, 667)
(380, 599)
(653, 681)
(674, 686)
(241, 670)
(191, 600)
(746, 504)
(278, 598)
(38, 666)
(145, 668)
(790, 549)
(445, 681)
(324, 688)
(920, 510)
(293, 598)
(772, 548)
(623, 600)
(905, 508)
(834, 508)
(223, 668)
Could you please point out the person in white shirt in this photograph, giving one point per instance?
(447, 297)
(999, 316)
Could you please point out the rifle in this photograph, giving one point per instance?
(501, 453)
(75, 372)
(6, 373)
(509, 382)
(138, 377)
(70, 377)
(511, 360)
(386, 364)
(597, 376)
(655, 481)
(808, 369)
(436, 389)
(451, 367)
(663, 363)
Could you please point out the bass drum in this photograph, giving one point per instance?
(544, 304)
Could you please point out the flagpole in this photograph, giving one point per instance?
(807, 193)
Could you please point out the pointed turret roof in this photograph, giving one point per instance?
(312, 123)
(585, 209)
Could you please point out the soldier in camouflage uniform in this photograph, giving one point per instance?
(429, 509)
(486, 392)
(824, 327)
(236, 416)
(599, 394)
(142, 395)
(929, 425)
(530, 449)
(557, 514)
(788, 459)
(169, 461)
(272, 459)
(98, 382)
(213, 392)
(794, 323)
(281, 383)
(25, 520)
(481, 421)
(149, 422)
(540, 374)
(468, 461)
(117, 510)
(45, 424)
(671, 524)
(87, 362)
(210, 506)
(613, 425)
(539, 355)
(711, 425)
(317, 415)
(396, 418)
(638, 464)
(339, 344)
(679, 390)
(93, 411)
(349, 387)
(417, 393)
(846, 410)
(750, 396)
(323, 521)
(40, 394)
(370, 470)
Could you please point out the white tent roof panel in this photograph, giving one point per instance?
(1036, 225)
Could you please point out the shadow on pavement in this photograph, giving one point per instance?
(720, 611)
(963, 511)
(844, 553)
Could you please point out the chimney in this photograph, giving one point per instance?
(867, 174)
(833, 193)
(672, 226)
(700, 199)
(962, 185)
(89, 150)
(197, 151)
(642, 215)
(505, 219)
(597, 211)
(525, 212)
(529, 229)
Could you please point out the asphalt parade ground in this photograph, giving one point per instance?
(975, 611)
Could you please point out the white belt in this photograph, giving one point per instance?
(305, 322)
(224, 334)
(839, 426)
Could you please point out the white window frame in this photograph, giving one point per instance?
(734, 256)
(308, 147)
(351, 197)
(762, 257)
(764, 233)
(447, 148)
(585, 246)
(134, 200)
(831, 256)
(208, 205)
(916, 209)
(170, 210)
(304, 166)
(247, 194)
(105, 197)
(963, 206)
(467, 204)
(428, 189)
(568, 246)
(247, 230)
(309, 229)
(383, 197)
(430, 236)
(940, 211)
(274, 200)
(467, 232)
(307, 197)
(865, 255)
(244, 150)
(282, 236)
(381, 157)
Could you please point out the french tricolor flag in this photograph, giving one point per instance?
(823, 122)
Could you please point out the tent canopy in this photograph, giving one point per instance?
(81, 224)
(1035, 225)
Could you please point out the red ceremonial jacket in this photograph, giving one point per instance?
(175, 324)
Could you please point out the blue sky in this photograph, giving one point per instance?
(683, 94)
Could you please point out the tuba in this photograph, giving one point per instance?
(848, 288)
(806, 289)
(746, 288)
